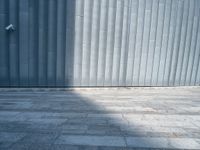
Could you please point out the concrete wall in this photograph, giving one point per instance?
(100, 43)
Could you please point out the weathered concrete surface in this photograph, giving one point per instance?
(100, 119)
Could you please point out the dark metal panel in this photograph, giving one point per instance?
(70, 42)
(4, 59)
(61, 35)
(24, 42)
(4, 72)
(52, 48)
(33, 43)
(42, 42)
(78, 44)
(14, 43)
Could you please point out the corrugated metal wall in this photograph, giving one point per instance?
(100, 42)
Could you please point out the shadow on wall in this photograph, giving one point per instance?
(56, 66)
(40, 51)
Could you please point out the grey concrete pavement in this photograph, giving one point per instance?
(100, 119)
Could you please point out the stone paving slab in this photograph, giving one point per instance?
(91, 140)
(177, 143)
(100, 119)
(39, 138)
(10, 136)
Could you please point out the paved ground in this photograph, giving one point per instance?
(104, 119)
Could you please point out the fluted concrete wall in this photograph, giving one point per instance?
(100, 43)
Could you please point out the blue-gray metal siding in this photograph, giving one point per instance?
(100, 43)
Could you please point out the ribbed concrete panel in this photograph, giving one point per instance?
(4, 45)
(60, 43)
